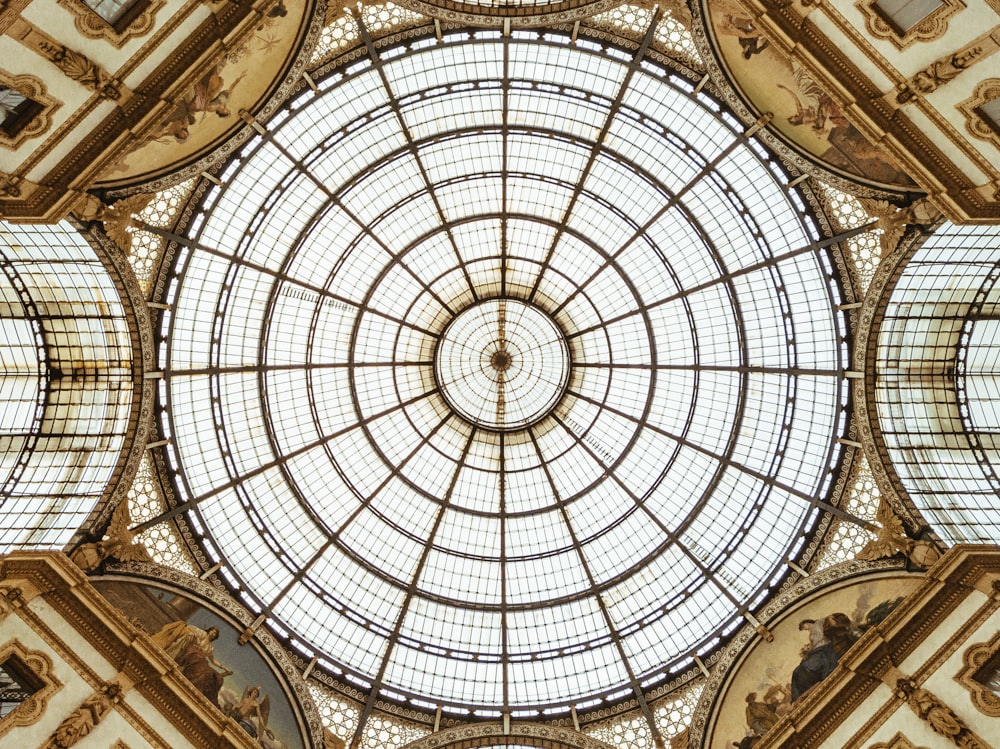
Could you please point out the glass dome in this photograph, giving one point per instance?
(503, 373)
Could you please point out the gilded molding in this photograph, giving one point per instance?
(487, 735)
(84, 719)
(899, 741)
(74, 65)
(39, 665)
(947, 68)
(975, 123)
(941, 718)
(973, 661)
(34, 89)
(932, 26)
(92, 26)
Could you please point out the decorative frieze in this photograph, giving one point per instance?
(86, 717)
(947, 68)
(74, 65)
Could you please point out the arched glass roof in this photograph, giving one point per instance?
(503, 372)
(938, 381)
(66, 383)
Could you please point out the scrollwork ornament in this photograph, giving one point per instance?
(12, 186)
(941, 718)
(931, 27)
(84, 719)
(39, 665)
(976, 123)
(91, 25)
(973, 661)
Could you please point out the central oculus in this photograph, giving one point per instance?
(502, 364)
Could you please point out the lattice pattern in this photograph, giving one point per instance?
(339, 716)
(673, 36)
(382, 732)
(381, 18)
(145, 503)
(846, 213)
(628, 732)
(673, 715)
(629, 18)
(336, 36)
(846, 539)
(161, 212)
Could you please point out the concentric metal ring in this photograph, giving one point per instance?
(403, 533)
(502, 364)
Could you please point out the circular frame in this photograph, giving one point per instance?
(713, 565)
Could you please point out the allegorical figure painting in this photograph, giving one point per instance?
(206, 649)
(207, 107)
(808, 645)
(803, 112)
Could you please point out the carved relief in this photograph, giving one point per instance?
(119, 542)
(899, 741)
(138, 21)
(85, 718)
(939, 72)
(33, 89)
(73, 65)
(975, 122)
(893, 222)
(933, 25)
(938, 715)
(35, 669)
(980, 674)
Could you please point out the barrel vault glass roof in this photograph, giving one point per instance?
(687, 338)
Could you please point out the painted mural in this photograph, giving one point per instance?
(807, 646)
(207, 108)
(803, 113)
(205, 647)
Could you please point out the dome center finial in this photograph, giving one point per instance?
(500, 360)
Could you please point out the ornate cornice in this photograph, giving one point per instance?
(515, 15)
(724, 666)
(216, 599)
(496, 734)
(141, 665)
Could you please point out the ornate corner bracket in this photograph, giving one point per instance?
(931, 27)
(980, 667)
(34, 89)
(137, 22)
(36, 667)
(978, 125)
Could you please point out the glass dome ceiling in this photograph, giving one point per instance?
(502, 372)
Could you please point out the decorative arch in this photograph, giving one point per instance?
(519, 734)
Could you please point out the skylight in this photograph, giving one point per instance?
(503, 372)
